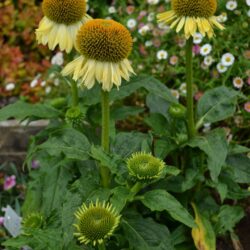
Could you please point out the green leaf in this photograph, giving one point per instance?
(164, 146)
(67, 141)
(71, 203)
(171, 170)
(151, 84)
(157, 122)
(126, 144)
(122, 113)
(227, 218)
(120, 196)
(217, 104)
(146, 234)
(215, 146)
(22, 110)
(161, 200)
(56, 180)
(240, 168)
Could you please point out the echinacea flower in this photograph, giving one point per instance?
(32, 221)
(104, 46)
(144, 166)
(192, 16)
(96, 222)
(61, 22)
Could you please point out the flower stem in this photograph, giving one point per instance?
(101, 246)
(74, 91)
(189, 80)
(104, 171)
(136, 188)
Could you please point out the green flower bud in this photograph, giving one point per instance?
(74, 116)
(144, 166)
(32, 221)
(177, 111)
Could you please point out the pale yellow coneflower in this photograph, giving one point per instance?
(61, 22)
(96, 222)
(192, 16)
(104, 46)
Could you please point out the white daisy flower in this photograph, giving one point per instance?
(231, 5)
(131, 23)
(162, 55)
(10, 86)
(221, 68)
(227, 59)
(206, 49)
(238, 82)
(198, 38)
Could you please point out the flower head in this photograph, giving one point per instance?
(62, 20)
(145, 166)
(32, 221)
(96, 222)
(104, 46)
(74, 116)
(192, 16)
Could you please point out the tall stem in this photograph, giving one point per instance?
(101, 246)
(104, 171)
(189, 80)
(74, 91)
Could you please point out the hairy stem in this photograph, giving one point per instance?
(104, 171)
(74, 91)
(189, 80)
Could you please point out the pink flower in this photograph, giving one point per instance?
(130, 9)
(196, 49)
(173, 60)
(247, 107)
(1, 221)
(198, 95)
(248, 81)
(9, 182)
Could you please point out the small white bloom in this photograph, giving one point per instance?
(48, 89)
(43, 83)
(10, 86)
(222, 18)
(144, 30)
(162, 55)
(56, 82)
(148, 43)
(183, 88)
(227, 59)
(198, 38)
(131, 23)
(153, 2)
(57, 59)
(248, 2)
(206, 49)
(151, 17)
(112, 10)
(231, 5)
(238, 82)
(221, 68)
(208, 60)
(34, 83)
(175, 93)
(248, 13)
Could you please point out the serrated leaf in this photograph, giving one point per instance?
(215, 146)
(120, 196)
(67, 141)
(126, 144)
(228, 217)
(217, 104)
(161, 200)
(203, 235)
(240, 168)
(146, 234)
(22, 110)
